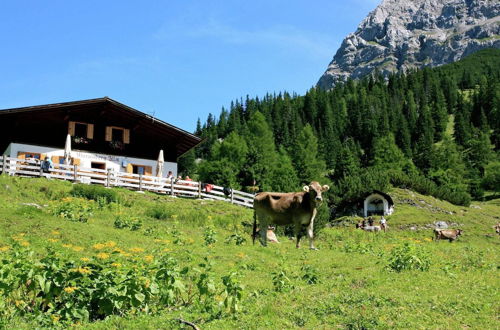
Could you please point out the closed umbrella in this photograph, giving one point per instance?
(67, 150)
(159, 165)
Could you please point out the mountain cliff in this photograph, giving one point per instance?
(402, 35)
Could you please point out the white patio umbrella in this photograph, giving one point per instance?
(67, 150)
(159, 165)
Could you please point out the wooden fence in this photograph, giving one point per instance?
(108, 178)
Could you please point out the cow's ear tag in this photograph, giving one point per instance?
(306, 188)
(326, 187)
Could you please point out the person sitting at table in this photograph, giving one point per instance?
(47, 165)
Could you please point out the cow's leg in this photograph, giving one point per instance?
(310, 231)
(298, 233)
(263, 231)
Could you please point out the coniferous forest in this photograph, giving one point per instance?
(435, 131)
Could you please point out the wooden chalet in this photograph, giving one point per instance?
(105, 134)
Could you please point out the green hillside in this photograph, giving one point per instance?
(129, 260)
(434, 130)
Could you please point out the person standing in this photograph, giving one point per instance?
(383, 224)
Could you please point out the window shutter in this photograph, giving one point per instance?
(148, 170)
(90, 131)
(126, 136)
(21, 155)
(108, 133)
(76, 161)
(130, 168)
(71, 128)
(55, 159)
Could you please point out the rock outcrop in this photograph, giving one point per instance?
(406, 34)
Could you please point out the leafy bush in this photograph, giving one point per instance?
(97, 193)
(209, 236)
(73, 209)
(237, 238)
(409, 257)
(124, 221)
(59, 292)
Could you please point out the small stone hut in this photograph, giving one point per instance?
(377, 203)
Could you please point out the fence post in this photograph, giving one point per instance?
(108, 175)
(4, 163)
(140, 182)
(172, 187)
(199, 190)
(232, 196)
(75, 173)
(41, 169)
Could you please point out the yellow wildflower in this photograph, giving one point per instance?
(81, 270)
(53, 240)
(67, 245)
(209, 217)
(149, 258)
(174, 216)
(136, 250)
(70, 289)
(19, 302)
(427, 239)
(118, 250)
(77, 248)
(4, 248)
(21, 234)
(55, 232)
(147, 283)
(24, 243)
(115, 264)
(55, 318)
(158, 240)
(241, 255)
(85, 259)
(98, 246)
(103, 255)
(166, 250)
(110, 244)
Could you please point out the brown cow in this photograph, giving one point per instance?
(449, 234)
(497, 228)
(297, 208)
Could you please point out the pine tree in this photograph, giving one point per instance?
(309, 164)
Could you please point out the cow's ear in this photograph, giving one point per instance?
(325, 187)
(306, 188)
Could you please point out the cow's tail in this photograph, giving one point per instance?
(254, 232)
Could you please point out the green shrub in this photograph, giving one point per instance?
(97, 193)
(409, 257)
(73, 209)
(125, 221)
(210, 236)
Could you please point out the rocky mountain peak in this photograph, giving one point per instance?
(403, 34)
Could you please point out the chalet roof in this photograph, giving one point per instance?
(383, 194)
(185, 140)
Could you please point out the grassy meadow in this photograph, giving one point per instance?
(142, 261)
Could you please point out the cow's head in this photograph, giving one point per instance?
(315, 190)
(459, 232)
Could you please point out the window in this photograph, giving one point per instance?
(138, 169)
(100, 166)
(117, 134)
(29, 155)
(80, 130)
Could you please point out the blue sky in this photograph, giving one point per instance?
(177, 59)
